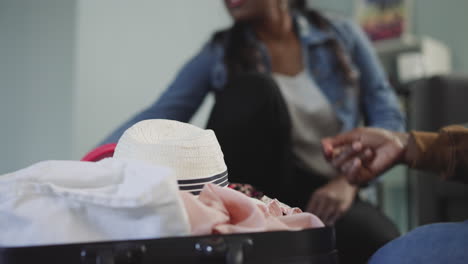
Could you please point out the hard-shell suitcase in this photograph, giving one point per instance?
(313, 246)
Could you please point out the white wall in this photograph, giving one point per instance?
(72, 70)
(128, 52)
(36, 69)
(337, 7)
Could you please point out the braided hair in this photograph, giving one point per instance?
(242, 55)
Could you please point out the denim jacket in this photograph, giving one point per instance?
(373, 100)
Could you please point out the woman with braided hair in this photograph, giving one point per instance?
(284, 78)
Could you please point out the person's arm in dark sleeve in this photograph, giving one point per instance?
(445, 152)
(379, 102)
(182, 98)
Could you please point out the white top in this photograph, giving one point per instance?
(312, 119)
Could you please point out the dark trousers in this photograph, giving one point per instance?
(252, 124)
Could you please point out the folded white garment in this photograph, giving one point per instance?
(57, 202)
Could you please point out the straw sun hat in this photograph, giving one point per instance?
(193, 153)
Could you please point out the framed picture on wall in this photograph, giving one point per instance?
(384, 19)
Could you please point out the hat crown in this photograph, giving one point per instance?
(193, 153)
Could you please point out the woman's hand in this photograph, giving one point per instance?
(332, 201)
(364, 153)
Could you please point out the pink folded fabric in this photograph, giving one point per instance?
(220, 210)
(285, 209)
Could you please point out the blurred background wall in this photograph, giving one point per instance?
(37, 68)
(72, 70)
(127, 53)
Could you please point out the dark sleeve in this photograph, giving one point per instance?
(379, 102)
(181, 99)
(445, 152)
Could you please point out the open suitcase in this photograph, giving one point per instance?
(313, 246)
